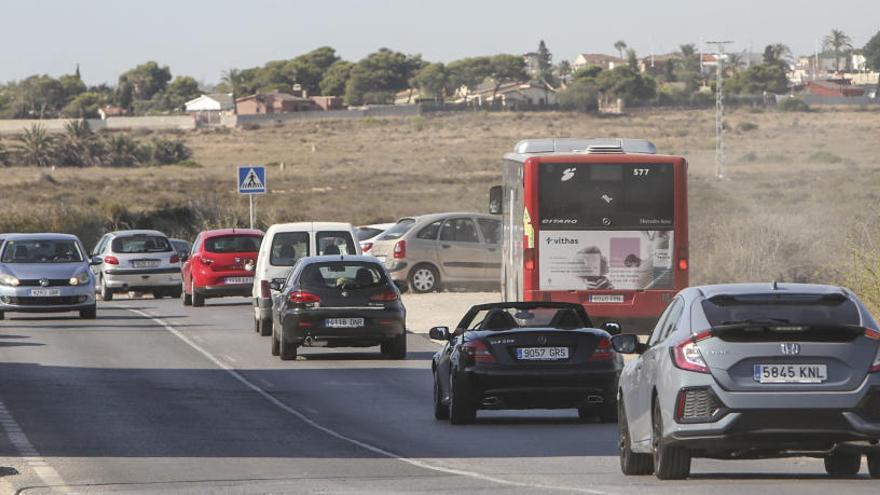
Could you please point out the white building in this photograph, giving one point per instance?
(215, 102)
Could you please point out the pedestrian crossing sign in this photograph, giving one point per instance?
(251, 179)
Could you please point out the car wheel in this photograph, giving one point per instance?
(441, 411)
(424, 278)
(2, 315)
(608, 412)
(286, 350)
(265, 327)
(175, 292)
(873, 461)
(585, 413)
(631, 463)
(187, 299)
(670, 463)
(159, 293)
(198, 300)
(89, 313)
(106, 293)
(395, 348)
(461, 410)
(843, 464)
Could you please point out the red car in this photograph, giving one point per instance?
(221, 264)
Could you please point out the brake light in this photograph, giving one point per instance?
(385, 296)
(874, 335)
(529, 259)
(400, 249)
(476, 351)
(302, 297)
(686, 355)
(683, 264)
(603, 351)
(175, 258)
(365, 247)
(111, 260)
(265, 290)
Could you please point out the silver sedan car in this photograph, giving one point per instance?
(751, 371)
(45, 273)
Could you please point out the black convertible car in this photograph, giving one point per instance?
(525, 355)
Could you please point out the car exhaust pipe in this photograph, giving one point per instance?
(308, 341)
(491, 401)
(595, 399)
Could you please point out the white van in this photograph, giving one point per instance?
(283, 245)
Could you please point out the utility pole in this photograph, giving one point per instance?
(719, 106)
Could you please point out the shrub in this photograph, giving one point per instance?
(824, 157)
(793, 105)
(170, 151)
(580, 95)
(746, 126)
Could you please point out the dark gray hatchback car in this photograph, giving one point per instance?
(747, 371)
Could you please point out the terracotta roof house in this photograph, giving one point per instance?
(273, 102)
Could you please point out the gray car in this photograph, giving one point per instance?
(45, 273)
(750, 371)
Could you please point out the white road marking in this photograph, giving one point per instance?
(333, 433)
(28, 453)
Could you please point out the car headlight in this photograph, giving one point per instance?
(8, 280)
(79, 279)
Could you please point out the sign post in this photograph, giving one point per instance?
(252, 181)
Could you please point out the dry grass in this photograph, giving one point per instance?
(796, 182)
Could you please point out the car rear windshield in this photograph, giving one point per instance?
(233, 244)
(801, 309)
(288, 248)
(141, 244)
(343, 275)
(335, 242)
(42, 251)
(398, 230)
(499, 319)
(364, 233)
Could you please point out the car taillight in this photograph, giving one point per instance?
(365, 247)
(265, 290)
(175, 259)
(874, 335)
(386, 296)
(111, 260)
(476, 351)
(603, 351)
(686, 355)
(400, 249)
(205, 260)
(302, 297)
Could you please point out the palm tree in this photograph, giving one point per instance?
(620, 46)
(233, 79)
(79, 146)
(123, 151)
(734, 62)
(36, 146)
(837, 42)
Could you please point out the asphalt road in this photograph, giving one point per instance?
(157, 398)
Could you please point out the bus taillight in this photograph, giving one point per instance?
(529, 259)
(683, 264)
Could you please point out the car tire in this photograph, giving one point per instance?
(198, 300)
(159, 293)
(2, 315)
(461, 410)
(89, 313)
(670, 463)
(873, 462)
(631, 463)
(265, 328)
(843, 464)
(175, 292)
(106, 293)
(395, 348)
(423, 278)
(286, 350)
(276, 346)
(608, 412)
(187, 298)
(441, 410)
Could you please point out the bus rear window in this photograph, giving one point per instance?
(591, 196)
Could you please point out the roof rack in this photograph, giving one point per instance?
(585, 145)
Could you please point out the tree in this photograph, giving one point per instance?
(581, 95)
(79, 146)
(777, 54)
(469, 72)
(627, 83)
(620, 46)
(36, 147)
(71, 86)
(871, 51)
(146, 80)
(505, 69)
(181, 90)
(377, 77)
(432, 81)
(837, 42)
(42, 96)
(758, 79)
(563, 68)
(123, 151)
(84, 106)
(309, 69)
(632, 60)
(335, 78)
(232, 78)
(545, 63)
(690, 57)
(734, 62)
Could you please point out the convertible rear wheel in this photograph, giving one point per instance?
(441, 411)
(843, 464)
(276, 347)
(631, 463)
(461, 410)
(670, 463)
(874, 464)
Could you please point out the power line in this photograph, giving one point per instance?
(719, 106)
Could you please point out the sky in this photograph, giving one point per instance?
(203, 38)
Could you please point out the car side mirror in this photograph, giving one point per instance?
(612, 327)
(496, 200)
(627, 343)
(439, 333)
(96, 260)
(277, 284)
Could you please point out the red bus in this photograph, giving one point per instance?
(601, 222)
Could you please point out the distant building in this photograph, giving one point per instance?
(833, 87)
(214, 102)
(512, 95)
(606, 62)
(328, 102)
(273, 102)
(111, 111)
(533, 64)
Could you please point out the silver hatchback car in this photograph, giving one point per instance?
(750, 371)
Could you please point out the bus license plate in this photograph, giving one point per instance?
(541, 353)
(45, 292)
(791, 373)
(606, 298)
(344, 322)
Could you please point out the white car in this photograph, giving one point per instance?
(366, 234)
(137, 260)
(283, 245)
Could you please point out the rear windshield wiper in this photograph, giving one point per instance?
(757, 322)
